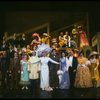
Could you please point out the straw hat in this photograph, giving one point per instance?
(45, 34)
(93, 53)
(79, 26)
(69, 49)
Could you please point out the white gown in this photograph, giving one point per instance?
(44, 75)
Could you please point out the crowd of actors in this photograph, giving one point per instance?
(37, 63)
(77, 38)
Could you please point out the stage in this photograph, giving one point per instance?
(56, 93)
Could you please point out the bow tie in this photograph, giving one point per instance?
(68, 57)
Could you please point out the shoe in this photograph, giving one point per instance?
(43, 89)
(26, 88)
(49, 89)
(22, 87)
(57, 87)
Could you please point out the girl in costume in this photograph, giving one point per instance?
(24, 79)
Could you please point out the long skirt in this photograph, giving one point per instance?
(83, 78)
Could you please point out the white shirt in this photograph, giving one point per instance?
(69, 62)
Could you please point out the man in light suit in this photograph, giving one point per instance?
(34, 68)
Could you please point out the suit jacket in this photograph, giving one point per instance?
(53, 66)
(74, 63)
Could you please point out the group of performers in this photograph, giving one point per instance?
(77, 38)
(55, 69)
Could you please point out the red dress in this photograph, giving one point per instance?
(83, 40)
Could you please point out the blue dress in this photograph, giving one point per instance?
(25, 75)
(65, 81)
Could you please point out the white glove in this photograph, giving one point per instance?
(21, 72)
(66, 69)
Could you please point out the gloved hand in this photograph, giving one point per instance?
(21, 72)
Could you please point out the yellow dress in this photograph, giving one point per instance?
(95, 72)
(75, 36)
(83, 76)
(46, 40)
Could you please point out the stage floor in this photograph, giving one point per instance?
(56, 93)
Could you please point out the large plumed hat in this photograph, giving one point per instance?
(35, 34)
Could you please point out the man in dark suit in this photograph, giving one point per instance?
(23, 41)
(54, 81)
(72, 64)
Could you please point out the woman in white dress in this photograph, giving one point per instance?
(43, 51)
(44, 74)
